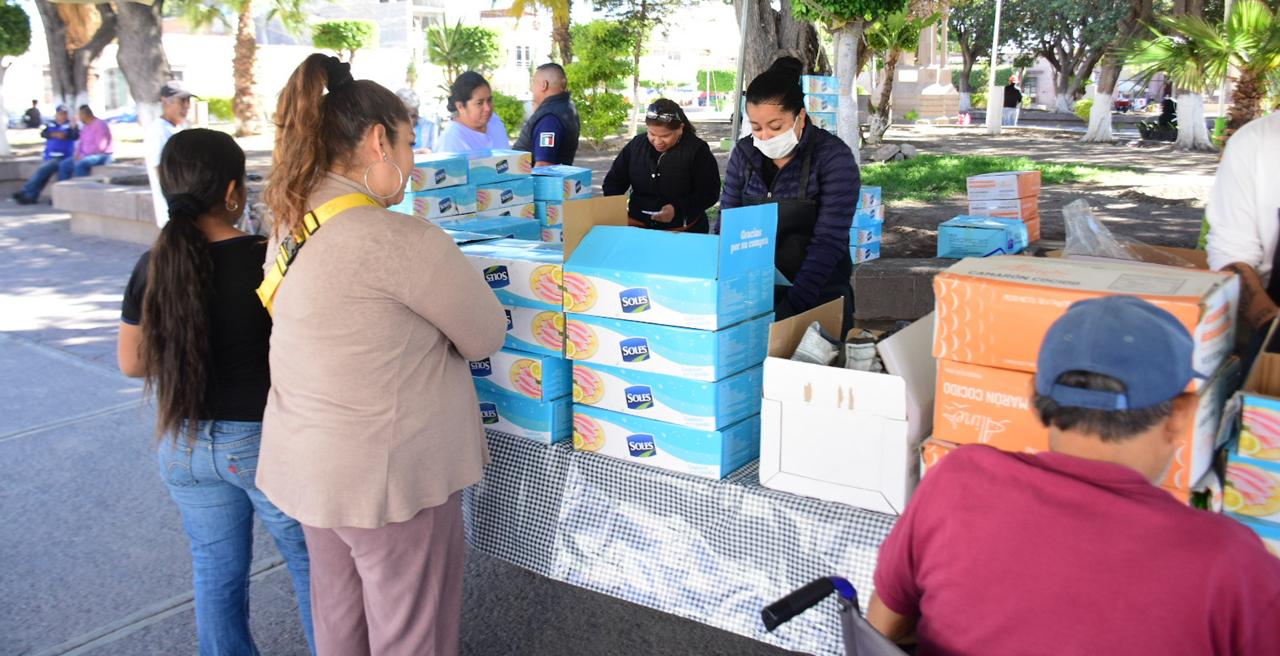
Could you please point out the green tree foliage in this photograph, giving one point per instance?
(15, 30)
(220, 108)
(721, 81)
(510, 110)
(603, 49)
(1072, 35)
(462, 48)
(892, 35)
(344, 37)
(639, 18)
(970, 24)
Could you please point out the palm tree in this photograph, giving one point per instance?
(561, 42)
(892, 35)
(1253, 46)
(1188, 50)
(246, 104)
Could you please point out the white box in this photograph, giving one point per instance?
(843, 435)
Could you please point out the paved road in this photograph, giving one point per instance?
(94, 559)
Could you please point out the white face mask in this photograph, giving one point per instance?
(780, 145)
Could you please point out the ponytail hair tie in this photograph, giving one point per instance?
(185, 206)
(338, 72)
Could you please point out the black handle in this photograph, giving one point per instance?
(782, 610)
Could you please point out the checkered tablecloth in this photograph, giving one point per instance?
(712, 551)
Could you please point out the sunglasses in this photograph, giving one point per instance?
(664, 117)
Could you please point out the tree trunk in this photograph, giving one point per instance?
(774, 33)
(883, 116)
(141, 55)
(5, 151)
(1246, 101)
(1193, 133)
(638, 111)
(69, 68)
(966, 70)
(563, 42)
(1100, 114)
(848, 38)
(1063, 100)
(244, 66)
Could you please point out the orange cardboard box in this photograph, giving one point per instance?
(1033, 229)
(1014, 208)
(985, 405)
(1003, 186)
(1209, 487)
(995, 311)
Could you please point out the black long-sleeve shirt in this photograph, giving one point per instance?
(685, 176)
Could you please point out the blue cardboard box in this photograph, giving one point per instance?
(711, 454)
(671, 350)
(865, 252)
(981, 236)
(438, 203)
(825, 84)
(524, 211)
(866, 232)
(533, 330)
(547, 422)
(549, 212)
(520, 271)
(561, 182)
(538, 376)
(826, 120)
(822, 103)
(499, 226)
(553, 234)
(438, 170)
(461, 237)
(504, 193)
(676, 400)
(496, 165)
(870, 196)
(677, 279)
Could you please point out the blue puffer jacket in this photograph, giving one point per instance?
(834, 183)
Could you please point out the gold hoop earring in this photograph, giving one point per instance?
(399, 174)
(231, 207)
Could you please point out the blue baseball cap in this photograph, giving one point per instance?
(1123, 337)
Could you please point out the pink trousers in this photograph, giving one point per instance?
(389, 591)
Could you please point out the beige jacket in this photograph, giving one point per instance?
(372, 416)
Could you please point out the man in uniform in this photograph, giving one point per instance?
(551, 134)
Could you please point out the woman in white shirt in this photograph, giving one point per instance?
(475, 126)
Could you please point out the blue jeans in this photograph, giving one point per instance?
(212, 481)
(41, 177)
(70, 166)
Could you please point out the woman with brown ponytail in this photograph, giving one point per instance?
(372, 428)
(193, 326)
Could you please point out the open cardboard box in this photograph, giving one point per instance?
(1260, 402)
(844, 435)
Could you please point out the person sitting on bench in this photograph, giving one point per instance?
(60, 144)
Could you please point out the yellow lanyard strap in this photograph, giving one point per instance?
(311, 222)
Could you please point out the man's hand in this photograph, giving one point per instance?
(665, 215)
(1256, 307)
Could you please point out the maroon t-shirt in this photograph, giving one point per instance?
(1004, 553)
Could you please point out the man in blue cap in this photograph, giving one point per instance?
(1076, 551)
(60, 143)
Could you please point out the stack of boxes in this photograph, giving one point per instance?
(667, 332)
(1252, 493)
(553, 185)
(524, 389)
(821, 99)
(993, 313)
(868, 226)
(489, 192)
(1008, 195)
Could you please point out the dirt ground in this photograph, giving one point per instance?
(1161, 201)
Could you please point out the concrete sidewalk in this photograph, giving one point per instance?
(94, 558)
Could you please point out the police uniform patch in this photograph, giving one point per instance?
(547, 139)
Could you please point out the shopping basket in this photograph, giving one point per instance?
(860, 638)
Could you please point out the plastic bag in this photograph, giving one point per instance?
(1086, 236)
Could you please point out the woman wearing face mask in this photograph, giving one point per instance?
(812, 176)
(475, 126)
(672, 175)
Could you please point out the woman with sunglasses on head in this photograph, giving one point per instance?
(671, 173)
(812, 176)
(372, 426)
